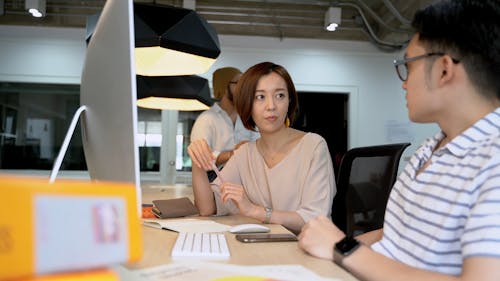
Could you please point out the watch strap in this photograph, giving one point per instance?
(344, 248)
(269, 213)
(337, 257)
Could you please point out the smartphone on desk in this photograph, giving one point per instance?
(265, 237)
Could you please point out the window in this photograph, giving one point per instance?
(34, 119)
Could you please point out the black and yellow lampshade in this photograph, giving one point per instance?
(172, 41)
(184, 93)
(171, 46)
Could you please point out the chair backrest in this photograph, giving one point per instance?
(365, 179)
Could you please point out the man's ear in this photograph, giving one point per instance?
(446, 68)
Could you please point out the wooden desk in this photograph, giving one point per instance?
(158, 244)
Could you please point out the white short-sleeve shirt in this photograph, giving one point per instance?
(216, 127)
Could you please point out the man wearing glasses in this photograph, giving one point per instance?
(443, 216)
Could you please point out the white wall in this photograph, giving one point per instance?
(41, 55)
(377, 110)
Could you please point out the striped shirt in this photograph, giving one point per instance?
(451, 210)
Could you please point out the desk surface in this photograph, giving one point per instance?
(158, 243)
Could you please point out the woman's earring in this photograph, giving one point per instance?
(287, 122)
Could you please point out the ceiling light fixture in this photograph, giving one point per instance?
(172, 41)
(333, 18)
(171, 44)
(184, 93)
(169, 41)
(35, 7)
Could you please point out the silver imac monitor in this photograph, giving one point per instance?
(108, 90)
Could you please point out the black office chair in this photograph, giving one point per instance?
(365, 179)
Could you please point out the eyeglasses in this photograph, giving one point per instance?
(402, 65)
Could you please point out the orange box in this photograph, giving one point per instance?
(89, 275)
(69, 225)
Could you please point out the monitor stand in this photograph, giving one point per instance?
(65, 144)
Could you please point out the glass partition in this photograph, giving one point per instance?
(34, 119)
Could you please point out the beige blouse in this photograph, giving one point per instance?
(303, 181)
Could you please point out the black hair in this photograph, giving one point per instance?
(467, 30)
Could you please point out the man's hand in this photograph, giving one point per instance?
(319, 236)
(201, 154)
(240, 144)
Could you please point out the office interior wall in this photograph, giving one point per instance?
(377, 107)
(377, 110)
(41, 55)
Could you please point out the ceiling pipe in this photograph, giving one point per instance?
(383, 45)
(396, 13)
(361, 4)
(275, 23)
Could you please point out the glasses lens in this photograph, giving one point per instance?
(402, 71)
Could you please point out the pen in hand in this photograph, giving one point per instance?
(216, 170)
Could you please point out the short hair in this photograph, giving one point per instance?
(467, 30)
(245, 91)
(221, 78)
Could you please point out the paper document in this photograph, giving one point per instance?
(206, 271)
(187, 225)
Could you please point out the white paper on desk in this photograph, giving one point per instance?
(187, 225)
(205, 271)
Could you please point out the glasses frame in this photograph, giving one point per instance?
(398, 63)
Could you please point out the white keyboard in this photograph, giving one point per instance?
(209, 245)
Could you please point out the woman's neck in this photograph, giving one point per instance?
(275, 140)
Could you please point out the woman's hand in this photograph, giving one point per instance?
(201, 154)
(235, 192)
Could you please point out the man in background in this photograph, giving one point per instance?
(218, 131)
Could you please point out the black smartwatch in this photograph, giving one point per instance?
(344, 248)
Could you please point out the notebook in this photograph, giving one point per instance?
(187, 225)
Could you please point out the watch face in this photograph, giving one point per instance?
(346, 245)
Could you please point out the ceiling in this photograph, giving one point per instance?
(382, 22)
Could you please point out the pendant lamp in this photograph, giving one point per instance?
(172, 41)
(169, 40)
(184, 93)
